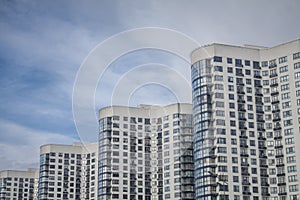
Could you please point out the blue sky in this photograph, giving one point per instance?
(44, 43)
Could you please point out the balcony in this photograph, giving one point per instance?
(242, 118)
(276, 119)
(277, 128)
(275, 102)
(263, 156)
(278, 146)
(244, 155)
(243, 136)
(257, 76)
(241, 101)
(240, 91)
(260, 111)
(281, 174)
(258, 94)
(282, 194)
(244, 145)
(261, 129)
(242, 127)
(246, 193)
(261, 138)
(264, 175)
(278, 137)
(245, 164)
(263, 165)
(265, 184)
(273, 75)
(279, 156)
(262, 147)
(281, 184)
(246, 183)
(272, 66)
(274, 93)
(276, 110)
(280, 165)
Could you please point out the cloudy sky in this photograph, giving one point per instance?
(44, 44)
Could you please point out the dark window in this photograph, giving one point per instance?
(247, 62)
(238, 62)
(229, 60)
(217, 59)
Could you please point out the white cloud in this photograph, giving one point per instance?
(20, 145)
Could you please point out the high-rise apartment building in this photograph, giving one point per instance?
(246, 103)
(68, 171)
(146, 152)
(16, 184)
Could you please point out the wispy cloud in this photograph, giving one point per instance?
(20, 144)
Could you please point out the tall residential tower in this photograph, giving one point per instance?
(68, 171)
(246, 103)
(146, 152)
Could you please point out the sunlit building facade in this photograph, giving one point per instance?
(146, 152)
(68, 171)
(17, 184)
(246, 104)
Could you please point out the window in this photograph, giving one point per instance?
(272, 63)
(219, 86)
(229, 60)
(256, 64)
(218, 78)
(235, 169)
(238, 71)
(297, 75)
(218, 68)
(282, 59)
(247, 62)
(265, 82)
(287, 104)
(285, 95)
(288, 122)
(288, 132)
(248, 72)
(265, 73)
(285, 87)
(229, 70)
(219, 95)
(293, 188)
(285, 78)
(297, 84)
(297, 65)
(287, 113)
(283, 69)
(296, 55)
(238, 62)
(264, 63)
(292, 168)
(217, 59)
(219, 104)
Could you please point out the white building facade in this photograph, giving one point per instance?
(246, 104)
(16, 184)
(146, 152)
(68, 171)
